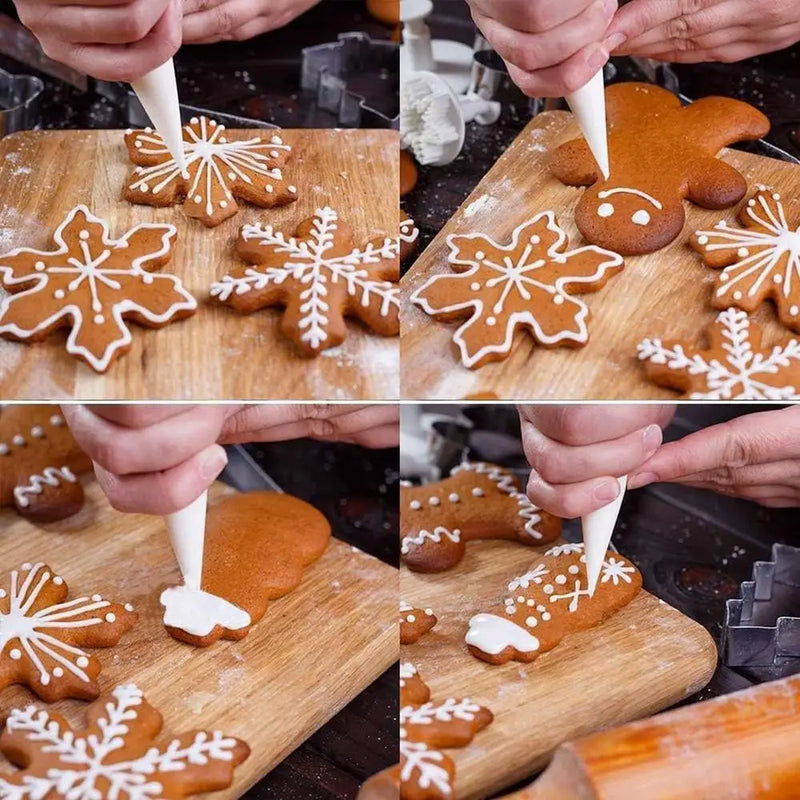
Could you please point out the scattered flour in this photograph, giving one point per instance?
(476, 205)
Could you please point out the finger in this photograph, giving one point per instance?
(218, 20)
(163, 492)
(193, 6)
(534, 17)
(564, 78)
(379, 438)
(781, 502)
(132, 415)
(723, 54)
(664, 37)
(738, 480)
(574, 499)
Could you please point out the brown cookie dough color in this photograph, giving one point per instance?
(409, 233)
(408, 173)
(415, 622)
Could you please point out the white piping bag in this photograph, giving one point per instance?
(597, 529)
(588, 105)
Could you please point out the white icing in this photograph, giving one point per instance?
(615, 570)
(197, 612)
(620, 190)
(524, 581)
(573, 596)
(434, 536)
(51, 476)
(448, 710)
(641, 217)
(409, 232)
(566, 549)
(492, 634)
(422, 767)
(605, 210)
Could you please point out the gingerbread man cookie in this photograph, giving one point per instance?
(528, 283)
(42, 634)
(409, 233)
(734, 366)
(220, 166)
(319, 276)
(415, 622)
(660, 153)
(92, 284)
(761, 261)
(549, 602)
(39, 463)
(477, 501)
(115, 757)
(257, 547)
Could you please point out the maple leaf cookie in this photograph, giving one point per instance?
(477, 501)
(115, 757)
(734, 365)
(758, 262)
(92, 284)
(42, 634)
(528, 283)
(549, 602)
(319, 276)
(415, 622)
(220, 166)
(660, 153)
(39, 463)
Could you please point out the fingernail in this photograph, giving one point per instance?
(606, 491)
(212, 461)
(641, 479)
(597, 58)
(652, 439)
(614, 41)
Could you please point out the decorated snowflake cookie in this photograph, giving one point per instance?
(549, 602)
(413, 690)
(477, 501)
(220, 166)
(92, 284)
(115, 758)
(528, 283)
(758, 262)
(42, 634)
(319, 276)
(734, 366)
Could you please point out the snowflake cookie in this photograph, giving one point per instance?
(759, 261)
(319, 276)
(413, 690)
(415, 622)
(42, 634)
(92, 284)
(528, 283)
(477, 501)
(549, 602)
(219, 168)
(734, 366)
(115, 757)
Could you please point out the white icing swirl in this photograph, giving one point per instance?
(197, 612)
(492, 634)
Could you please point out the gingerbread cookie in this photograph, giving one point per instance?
(383, 786)
(660, 153)
(220, 166)
(115, 757)
(319, 276)
(256, 548)
(734, 366)
(414, 622)
(409, 233)
(477, 501)
(39, 463)
(549, 602)
(413, 690)
(528, 283)
(92, 284)
(42, 634)
(759, 262)
(408, 173)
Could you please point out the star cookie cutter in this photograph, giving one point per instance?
(20, 102)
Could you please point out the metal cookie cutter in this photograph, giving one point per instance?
(20, 102)
(762, 629)
(331, 69)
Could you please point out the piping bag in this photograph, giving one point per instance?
(597, 528)
(588, 106)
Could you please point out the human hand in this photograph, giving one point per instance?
(703, 30)
(113, 40)
(755, 457)
(551, 47)
(207, 21)
(576, 452)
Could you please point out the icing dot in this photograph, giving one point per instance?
(276, 140)
(510, 609)
(198, 199)
(562, 579)
(794, 311)
(776, 196)
(39, 266)
(574, 569)
(111, 617)
(147, 278)
(269, 188)
(213, 123)
(82, 662)
(148, 130)
(144, 187)
(547, 589)
(582, 559)
(742, 252)
(535, 239)
(737, 295)
(58, 580)
(777, 278)
(276, 172)
(128, 607)
(475, 286)
(84, 235)
(292, 189)
(96, 598)
(641, 217)
(702, 240)
(128, 131)
(138, 143)
(480, 255)
(491, 321)
(232, 176)
(415, 504)
(751, 203)
(99, 319)
(223, 203)
(2, 593)
(546, 616)
(520, 599)
(57, 421)
(453, 498)
(27, 565)
(558, 300)
(477, 492)
(605, 210)
(531, 622)
(3, 452)
(19, 442)
(273, 153)
(722, 224)
(429, 612)
(58, 672)
(37, 432)
(15, 654)
(58, 294)
(434, 501)
(194, 120)
(222, 139)
(541, 609)
(411, 618)
(531, 602)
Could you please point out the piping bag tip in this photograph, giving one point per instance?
(597, 529)
(588, 106)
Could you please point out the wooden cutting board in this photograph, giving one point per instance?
(646, 657)
(664, 294)
(216, 354)
(313, 651)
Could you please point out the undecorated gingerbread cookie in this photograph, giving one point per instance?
(257, 546)
(319, 276)
(415, 622)
(733, 366)
(477, 501)
(660, 152)
(549, 602)
(92, 285)
(116, 757)
(221, 166)
(527, 284)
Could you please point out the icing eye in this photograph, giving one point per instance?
(605, 210)
(641, 217)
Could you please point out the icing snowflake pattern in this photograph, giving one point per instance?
(528, 283)
(446, 711)
(425, 768)
(320, 276)
(615, 570)
(566, 549)
(115, 759)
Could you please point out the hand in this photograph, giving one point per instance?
(576, 452)
(755, 457)
(157, 459)
(113, 40)
(551, 47)
(207, 21)
(703, 30)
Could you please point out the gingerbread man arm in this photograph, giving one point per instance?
(733, 120)
(573, 164)
(715, 184)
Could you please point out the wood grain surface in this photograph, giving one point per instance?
(664, 294)
(646, 657)
(216, 354)
(313, 651)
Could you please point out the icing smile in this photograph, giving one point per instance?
(640, 217)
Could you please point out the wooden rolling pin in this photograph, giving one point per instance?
(743, 746)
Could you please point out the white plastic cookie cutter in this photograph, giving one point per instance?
(597, 528)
